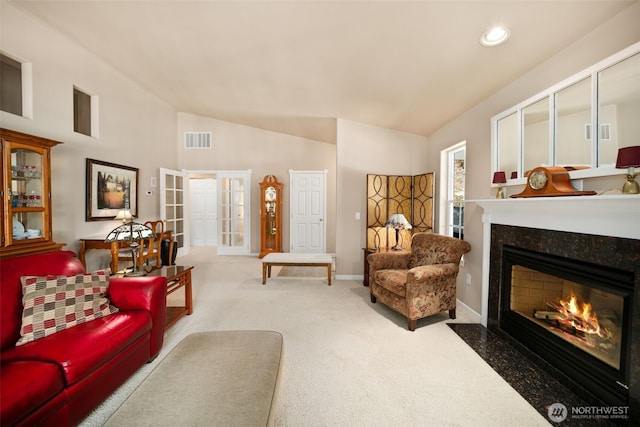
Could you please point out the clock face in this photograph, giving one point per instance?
(270, 194)
(538, 180)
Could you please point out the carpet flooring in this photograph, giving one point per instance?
(288, 271)
(346, 361)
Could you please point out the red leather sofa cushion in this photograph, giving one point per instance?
(44, 380)
(63, 263)
(82, 348)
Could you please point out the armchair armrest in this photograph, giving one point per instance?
(432, 279)
(143, 293)
(387, 260)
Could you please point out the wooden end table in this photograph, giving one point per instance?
(178, 276)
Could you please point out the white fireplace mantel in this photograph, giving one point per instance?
(606, 215)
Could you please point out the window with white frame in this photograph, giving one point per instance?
(455, 173)
(11, 85)
(85, 112)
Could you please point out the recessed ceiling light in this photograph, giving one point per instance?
(495, 36)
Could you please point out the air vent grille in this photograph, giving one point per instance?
(605, 132)
(197, 140)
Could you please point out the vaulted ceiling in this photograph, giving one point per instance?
(295, 66)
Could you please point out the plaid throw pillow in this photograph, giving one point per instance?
(54, 303)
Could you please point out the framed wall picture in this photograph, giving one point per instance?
(110, 188)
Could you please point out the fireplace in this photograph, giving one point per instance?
(534, 273)
(573, 314)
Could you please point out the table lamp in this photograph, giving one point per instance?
(131, 232)
(398, 222)
(499, 178)
(629, 157)
(124, 215)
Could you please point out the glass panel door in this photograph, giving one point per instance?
(234, 224)
(26, 193)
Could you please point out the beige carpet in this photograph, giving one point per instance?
(347, 362)
(225, 378)
(288, 271)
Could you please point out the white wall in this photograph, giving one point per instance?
(362, 150)
(474, 127)
(136, 128)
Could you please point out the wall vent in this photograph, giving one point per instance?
(605, 132)
(197, 140)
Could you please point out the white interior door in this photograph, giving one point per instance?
(308, 211)
(203, 207)
(234, 212)
(173, 206)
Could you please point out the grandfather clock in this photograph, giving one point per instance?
(270, 215)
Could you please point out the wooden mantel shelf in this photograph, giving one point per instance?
(607, 215)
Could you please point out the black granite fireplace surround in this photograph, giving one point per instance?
(614, 255)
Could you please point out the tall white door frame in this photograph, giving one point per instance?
(308, 211)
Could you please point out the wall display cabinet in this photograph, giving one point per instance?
(412, 196)
(270, 215)
(26, 194)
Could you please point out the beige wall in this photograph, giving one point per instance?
(237, 147)
(474, 127)
(365, 149)
(136, 128)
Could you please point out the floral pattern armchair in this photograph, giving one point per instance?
(419, 283)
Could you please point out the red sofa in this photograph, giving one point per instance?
(59, 379)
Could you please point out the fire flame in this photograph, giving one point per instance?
(581, 317)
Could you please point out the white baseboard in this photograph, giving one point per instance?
(474, 314)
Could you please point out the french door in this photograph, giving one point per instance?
(234, 212)
(173, 195)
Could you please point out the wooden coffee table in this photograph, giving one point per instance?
(178, 277)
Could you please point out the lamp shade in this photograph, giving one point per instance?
(124, 215)
(397, 221)
(628, 157)
(499, 177)
(129, 232)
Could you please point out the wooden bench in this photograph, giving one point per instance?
(295, 259)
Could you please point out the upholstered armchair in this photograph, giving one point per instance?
(419, 283)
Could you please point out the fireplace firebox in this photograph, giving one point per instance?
(536, 276)
(575, 315)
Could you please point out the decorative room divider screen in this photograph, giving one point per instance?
(412, 196)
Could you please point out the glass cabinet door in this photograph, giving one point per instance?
(26, 192)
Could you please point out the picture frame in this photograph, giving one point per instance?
(110, 189)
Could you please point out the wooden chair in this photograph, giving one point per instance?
(150, 248)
